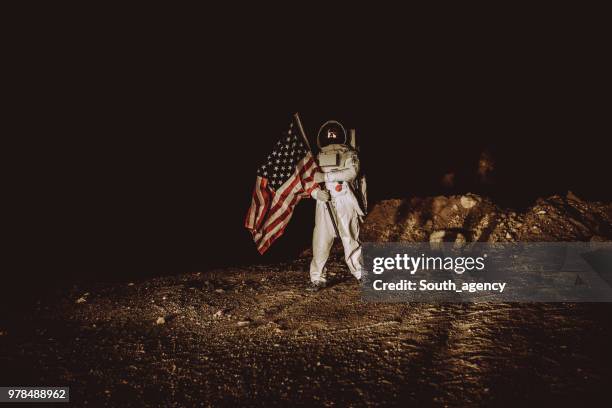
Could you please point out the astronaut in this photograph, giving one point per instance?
(339, 165)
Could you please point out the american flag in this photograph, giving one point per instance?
(282, 181)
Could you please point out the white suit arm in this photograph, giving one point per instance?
(347, 174)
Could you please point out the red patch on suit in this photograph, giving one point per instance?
(338, 187)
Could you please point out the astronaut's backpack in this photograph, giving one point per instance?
(360, 184)
(361, 192)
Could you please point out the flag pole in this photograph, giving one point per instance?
(327, 203)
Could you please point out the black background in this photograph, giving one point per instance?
(137, 157)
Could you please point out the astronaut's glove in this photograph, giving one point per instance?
(320, 195)
(319, 177)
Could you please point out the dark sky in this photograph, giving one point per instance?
(147, 166)
(163, 184)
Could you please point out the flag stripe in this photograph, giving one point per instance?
(281, 214)
(278, 217)
(254, 208)
(264, 247)
(282, 181)
(288, 188)
(259, 203)
(276, 232)
(263, 199)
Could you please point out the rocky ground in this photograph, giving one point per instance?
(254, 336)
(473, 218)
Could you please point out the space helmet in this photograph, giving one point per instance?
(331, 132)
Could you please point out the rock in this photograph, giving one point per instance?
(160, 320)
(571, 196)
(243, 323)
(218, 314)
(467, 202)
(460, 239)
(508, 236)
(219, 290)
(437, 236)
(83, 298)
(435, 219)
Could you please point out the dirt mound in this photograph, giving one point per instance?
(471, 218)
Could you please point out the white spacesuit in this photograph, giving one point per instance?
(339, 164)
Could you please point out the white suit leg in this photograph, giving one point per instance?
(348, 226)
(322, 241)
